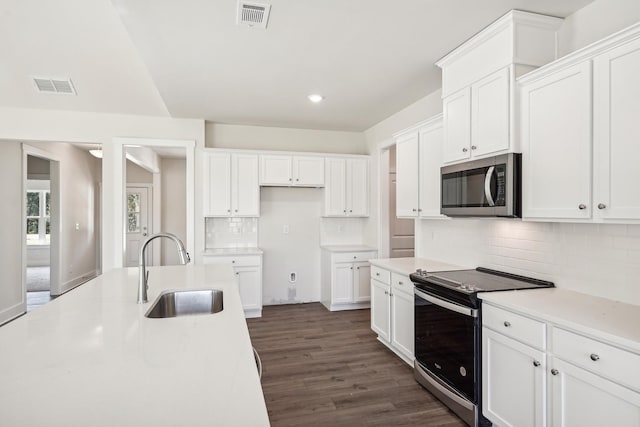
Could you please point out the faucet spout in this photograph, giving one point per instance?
(143, 274)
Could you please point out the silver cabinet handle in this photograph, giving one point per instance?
(414, 210)
(464, 149)
(228, 210)
(582, 206)
(345, 211)
(236, 210)
(536, 363)
(386, 292)
(357, 268)
(554, 372)
(400, 283)
(419, 210)
(473, 147)
(594, 357)
(601, 206)
(487, 186)
(507, 324)
(377, 274)
(297, 179)
(233, 261)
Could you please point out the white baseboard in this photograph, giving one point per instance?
(11, 313)
(77, 281)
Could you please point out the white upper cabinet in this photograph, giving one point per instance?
(346, 190)
(478, 80)
(231, 186)
(418, 161)
(285, 170)
(579, 111)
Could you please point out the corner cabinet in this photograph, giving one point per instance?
(285, 170)
(345, 279)
(248, 271)
(479, 80)
(231, 185)
(346, 192)
(419, 154)
(577, 112)
(392, 311)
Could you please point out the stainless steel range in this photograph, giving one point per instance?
(448, 333)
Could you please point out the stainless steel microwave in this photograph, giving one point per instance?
(485, 187)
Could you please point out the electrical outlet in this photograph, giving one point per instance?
(292, 277)
(77, 226)
(285, 229)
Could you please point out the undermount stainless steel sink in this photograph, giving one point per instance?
(183, 303)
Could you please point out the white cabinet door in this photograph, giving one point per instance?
(380, 309)
(218, 184)
(490, 116)
(335, 197)
(275, 170)
(407, 172)
(342, 284)
(250, 286)
(556, 145)
(513, 382)
(357, 193)
(244, 185)
(308, 171)
(457, 125)
(431, 140)
(402, 322)
(580, 398)
(361, 282)
(617, 133)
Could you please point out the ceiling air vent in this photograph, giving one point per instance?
(254, 15)
(60, 86)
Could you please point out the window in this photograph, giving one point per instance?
(38, 217)
(133, 212)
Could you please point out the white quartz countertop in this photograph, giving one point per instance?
(91, 358)
(232, 251)
(348, 248)
(409, 265)
(608, 320)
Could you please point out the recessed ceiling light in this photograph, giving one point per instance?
(315, 98)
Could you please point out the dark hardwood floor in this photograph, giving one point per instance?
(327, 368)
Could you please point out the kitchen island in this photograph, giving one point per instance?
(91, 358)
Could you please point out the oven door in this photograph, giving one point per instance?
(447, 342)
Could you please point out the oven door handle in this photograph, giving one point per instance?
(471, 312)
(487, 186)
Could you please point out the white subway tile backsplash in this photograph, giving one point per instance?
(599, 259)
(231, 233)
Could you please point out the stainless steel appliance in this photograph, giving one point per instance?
(485, 187)
(448, 334)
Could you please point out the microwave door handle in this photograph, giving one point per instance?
(487, 186)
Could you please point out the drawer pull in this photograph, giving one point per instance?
(386, 292)
(400, 283)
(507, 324)
(594, 357)
(536, 363)
(377, 274)
(554, 372)
(233, 261)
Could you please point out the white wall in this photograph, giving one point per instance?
(173, 173)
(298, 251)
(79, 178)
(137, 175)
(11, 292)
(284, 139)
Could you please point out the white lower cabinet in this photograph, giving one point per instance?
(569, 380)
(345, 279)
(392, 311)
(248, 271)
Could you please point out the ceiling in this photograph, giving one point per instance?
(189, 59)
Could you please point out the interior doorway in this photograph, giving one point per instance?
(401, 230)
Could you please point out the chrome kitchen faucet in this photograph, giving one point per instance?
(143, 275)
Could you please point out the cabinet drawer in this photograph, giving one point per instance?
(236, 261)
(619, 365)
(521, 328)
(381, 275)
(353, 256)
(402, 283)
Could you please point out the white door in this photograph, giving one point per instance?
(357, 187)
(556, 145)
(617, 133)
(513, 382)
(490, 109)
(380, 309)
(244, 185)
(249, 285)
(308, 171)
(457, 125)
(580, 398)
(342, 291)
(275, 170)
(407, 172)
(402, 322)
(218, 184)
(431, 140)
(335, 187)
(138, 224)
(361, 282)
